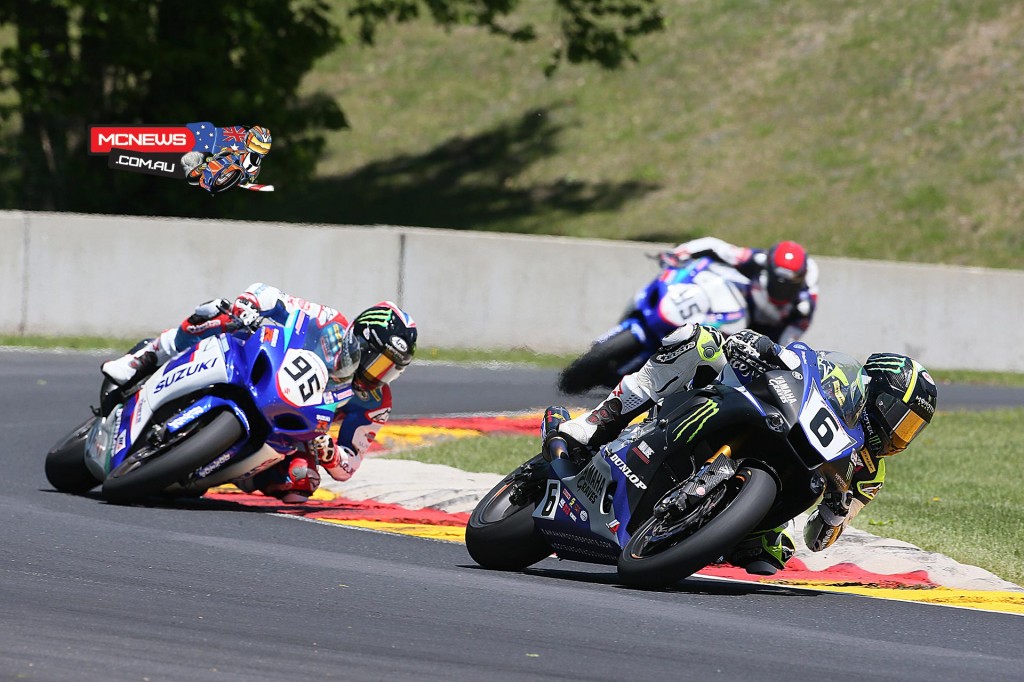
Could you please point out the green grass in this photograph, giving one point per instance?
(523, 356)
(69, 342)
(956, 491)
(870, 128)
(490, 454)
(969, 376)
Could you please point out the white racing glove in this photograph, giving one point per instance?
(340, 462)
(247, 309)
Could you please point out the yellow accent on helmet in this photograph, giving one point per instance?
(258, 140)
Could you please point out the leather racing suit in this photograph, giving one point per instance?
(783, 321)
(357, 421)
(693, 356)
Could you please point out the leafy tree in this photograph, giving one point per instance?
(82, 62)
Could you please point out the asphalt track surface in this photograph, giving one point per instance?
(198, 590)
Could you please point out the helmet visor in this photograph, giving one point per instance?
(258, 140)
(902, 423)
(382, 370)
(783, 289)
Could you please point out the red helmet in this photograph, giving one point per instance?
(787, 271)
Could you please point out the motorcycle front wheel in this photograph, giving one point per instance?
(65, 462)
(665, 549)
(599, 366)
(500, 534)
(144, 474)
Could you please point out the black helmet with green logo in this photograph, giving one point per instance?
(386, 335)
(901, 401)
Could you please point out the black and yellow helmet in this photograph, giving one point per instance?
(387, 337)
(901, 401)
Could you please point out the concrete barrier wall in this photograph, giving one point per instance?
(124, 276)
(13, 230)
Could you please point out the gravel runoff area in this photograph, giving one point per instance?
(415, 485)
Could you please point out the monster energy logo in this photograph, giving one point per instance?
(888, 363)
(377, 317)
(700, 417)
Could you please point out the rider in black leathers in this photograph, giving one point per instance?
(901, 400)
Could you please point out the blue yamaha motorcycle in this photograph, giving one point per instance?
(701, 290)
(224, 410)
(680, 489)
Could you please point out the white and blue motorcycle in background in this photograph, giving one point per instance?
(700, 290)
(223, 410)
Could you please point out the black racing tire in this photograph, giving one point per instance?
(65, 462)
(501, 536)
(668, 565)
(599, 366)
(226, 181)
(195, 450)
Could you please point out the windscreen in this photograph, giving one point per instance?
(842, 379)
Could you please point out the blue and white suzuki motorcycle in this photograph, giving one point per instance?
(224, 410)
(680, 489)
(701, 291)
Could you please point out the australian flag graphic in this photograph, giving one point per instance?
(210, 139)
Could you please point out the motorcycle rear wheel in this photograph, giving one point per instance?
(599, 366)
(195, 450)
(647, 561)
(501, 535)
(65, 462)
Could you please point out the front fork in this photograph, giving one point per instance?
(718, 469)
(528, 482)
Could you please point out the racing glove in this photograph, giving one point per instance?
(220, 316)
(749, 351)
(246, 309)
(340, 462)
(826, 523)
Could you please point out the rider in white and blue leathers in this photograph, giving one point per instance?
(362, 358)
(783, 290)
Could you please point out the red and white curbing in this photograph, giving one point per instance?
(415, 485)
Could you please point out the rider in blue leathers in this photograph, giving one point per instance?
(362, 358)
(783, 289)
(901, 400)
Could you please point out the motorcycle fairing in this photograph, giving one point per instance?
(196, 368)
(573, 515)
(701, 290)
(282, 385)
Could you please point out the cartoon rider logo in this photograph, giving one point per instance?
(230, 157)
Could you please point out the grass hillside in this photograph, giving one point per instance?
(885, 129)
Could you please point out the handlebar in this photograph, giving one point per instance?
(556, 448)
